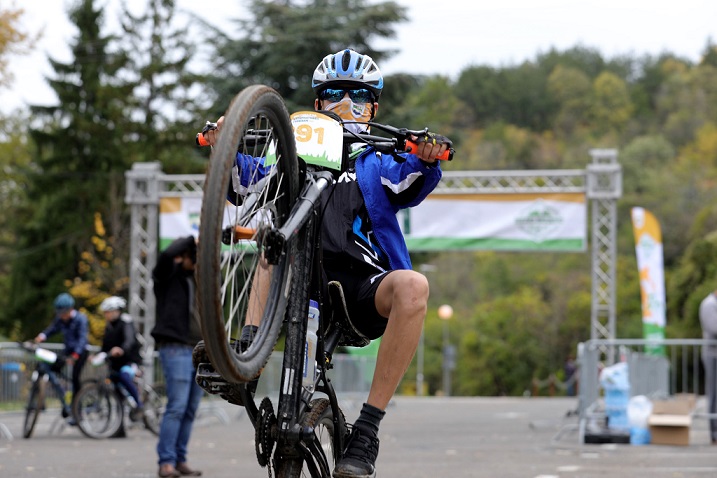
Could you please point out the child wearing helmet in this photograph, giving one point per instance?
(122, 347)
(363, 247)
(74, 326)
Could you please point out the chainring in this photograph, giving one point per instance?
(264, 439)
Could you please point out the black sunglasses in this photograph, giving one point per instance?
(361, 95)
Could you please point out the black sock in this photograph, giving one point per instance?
(370, 418)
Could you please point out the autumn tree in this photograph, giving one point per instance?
(78, 168)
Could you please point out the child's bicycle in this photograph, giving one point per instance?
(102, 406)
(260, 257)
(42, 377)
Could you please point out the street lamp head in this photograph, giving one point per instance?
(445, 312)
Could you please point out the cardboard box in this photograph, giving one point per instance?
(671, 420)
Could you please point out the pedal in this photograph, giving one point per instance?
(209, 379)
(213, 383)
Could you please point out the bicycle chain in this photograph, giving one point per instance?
(263, 436)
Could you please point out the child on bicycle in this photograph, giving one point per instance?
(122, 347)
(74, 326)
(364, 248)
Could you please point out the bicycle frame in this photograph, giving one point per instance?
(303, 225)
(316, 150)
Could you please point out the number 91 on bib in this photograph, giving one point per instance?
(319, 139)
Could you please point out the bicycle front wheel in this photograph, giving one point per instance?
(319, 417)
(254, 164)
(35, 404)
(98, 410)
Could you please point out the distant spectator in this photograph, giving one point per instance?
(175, 333)
(708, 321)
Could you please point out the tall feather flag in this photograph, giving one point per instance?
(648, 247)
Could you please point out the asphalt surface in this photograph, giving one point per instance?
(420, 437)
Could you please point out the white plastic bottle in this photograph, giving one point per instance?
(310, 351)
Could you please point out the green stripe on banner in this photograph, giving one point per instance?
(493, 244)
(654, 332)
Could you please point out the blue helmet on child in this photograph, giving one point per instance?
(64, 302)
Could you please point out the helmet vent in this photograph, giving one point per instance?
(345, 60)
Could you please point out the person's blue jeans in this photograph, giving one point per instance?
(183, 396)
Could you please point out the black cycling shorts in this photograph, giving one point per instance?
(360, 293)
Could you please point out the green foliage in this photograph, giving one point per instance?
(283, 41)
(163, 101)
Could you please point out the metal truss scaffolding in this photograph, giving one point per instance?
(601, 182)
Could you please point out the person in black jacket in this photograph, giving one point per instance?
(122, 347)
(175, 333)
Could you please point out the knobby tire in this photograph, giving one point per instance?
(255, 122)
(35, 404)
(321, 418)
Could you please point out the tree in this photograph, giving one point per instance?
(611, 105)
(13, 40)
(166, 93)
(78, 166)
(283, 41)
(570, 89)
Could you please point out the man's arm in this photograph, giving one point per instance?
(408, 183)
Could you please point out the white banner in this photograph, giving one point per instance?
(510, 222)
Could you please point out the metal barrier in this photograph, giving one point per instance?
(679, 370)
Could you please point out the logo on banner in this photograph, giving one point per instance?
(539, 220)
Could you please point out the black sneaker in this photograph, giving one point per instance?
(359, 460)
(66, 412)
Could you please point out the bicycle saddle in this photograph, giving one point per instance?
(350, 335)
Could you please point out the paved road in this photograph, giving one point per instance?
(420, 438)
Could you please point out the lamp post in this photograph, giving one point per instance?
(425, 269)
(445, 313)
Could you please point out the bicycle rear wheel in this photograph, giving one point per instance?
(35, 404)
(236, 285)
(320, 417)
(154, 401)
(98, 410)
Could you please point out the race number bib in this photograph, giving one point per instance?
(319, 139)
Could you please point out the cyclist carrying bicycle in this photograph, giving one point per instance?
(74, 326)
(364, 248)
(122, 348)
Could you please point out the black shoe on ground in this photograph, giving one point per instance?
(66, 411)
(359, 460)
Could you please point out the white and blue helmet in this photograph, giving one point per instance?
(347, 68)
(113, 303)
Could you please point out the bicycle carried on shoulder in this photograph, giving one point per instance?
(260, 257)
(41, 377)
(102, 406)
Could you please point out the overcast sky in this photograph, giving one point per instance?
(441, 37)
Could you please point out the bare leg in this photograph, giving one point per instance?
(402, 297)
(259, 293)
